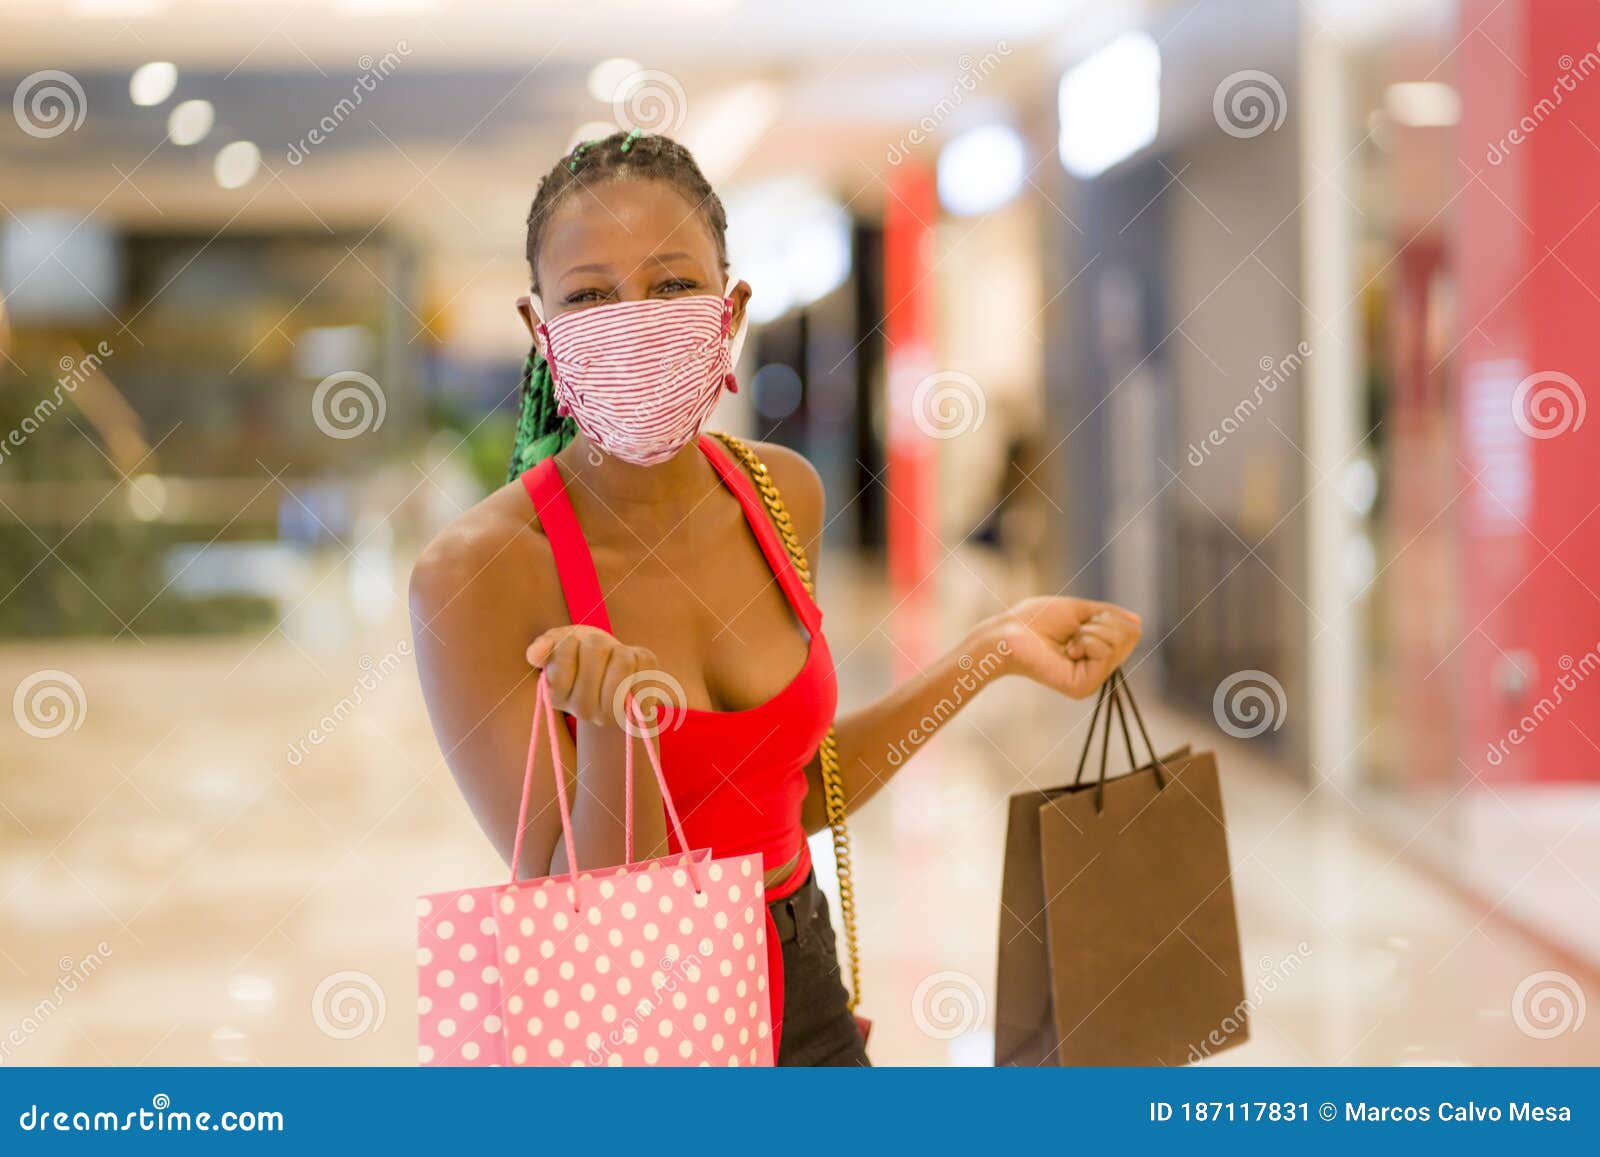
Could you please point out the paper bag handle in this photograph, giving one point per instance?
(1112, 693)
(542, 706)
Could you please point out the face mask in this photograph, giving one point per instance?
(642, 377)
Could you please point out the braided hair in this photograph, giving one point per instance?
(541, 431)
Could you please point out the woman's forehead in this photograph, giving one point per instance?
(624, 224)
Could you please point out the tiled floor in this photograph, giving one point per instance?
(212, 896)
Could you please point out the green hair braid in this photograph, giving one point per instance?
(541, 432)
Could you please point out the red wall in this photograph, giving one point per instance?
(1527, 237)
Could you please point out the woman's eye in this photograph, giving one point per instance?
(676, 285)
(584, 295)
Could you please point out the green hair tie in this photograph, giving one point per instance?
(632, 136)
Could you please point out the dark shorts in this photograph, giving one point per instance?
(818, 1029)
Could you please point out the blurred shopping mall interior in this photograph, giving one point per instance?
(1271, 320)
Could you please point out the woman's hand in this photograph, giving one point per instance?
(1070, 645)
(586, 669)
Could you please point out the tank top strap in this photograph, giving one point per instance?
(580, 583)
(755, 513)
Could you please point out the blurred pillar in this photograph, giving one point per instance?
(1332, 432)
(1528, 238)
(911, 480)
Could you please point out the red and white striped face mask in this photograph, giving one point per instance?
(641, 377)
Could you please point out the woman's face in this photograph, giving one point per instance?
(628, 240)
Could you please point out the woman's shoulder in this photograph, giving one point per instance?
(494, 550)
(798, 481)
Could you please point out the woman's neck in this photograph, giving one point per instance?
(658, 496)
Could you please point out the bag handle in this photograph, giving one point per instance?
(828, 753)
(1112, 693)
(543, 707)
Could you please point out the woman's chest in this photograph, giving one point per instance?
(714, 614)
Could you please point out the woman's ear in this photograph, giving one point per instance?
(740, 296)
(531, 319)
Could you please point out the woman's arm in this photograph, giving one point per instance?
(1070, 645)
(480, 593)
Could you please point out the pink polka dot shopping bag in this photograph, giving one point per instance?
(661, 962)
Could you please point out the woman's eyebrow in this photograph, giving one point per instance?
(663, 258)
(597, 268)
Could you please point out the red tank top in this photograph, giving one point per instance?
(737, 777)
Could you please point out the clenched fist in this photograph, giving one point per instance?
(1071, 645)
(586, 668)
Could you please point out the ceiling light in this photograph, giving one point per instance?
(152, 83)
(236, 164)
(1110, 105)
(981, 170)
(190, 122)
(607, 76)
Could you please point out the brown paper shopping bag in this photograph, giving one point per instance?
(1118, 939)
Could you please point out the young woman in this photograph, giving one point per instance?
(628, 546)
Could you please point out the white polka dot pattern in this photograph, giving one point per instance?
(537, 973)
